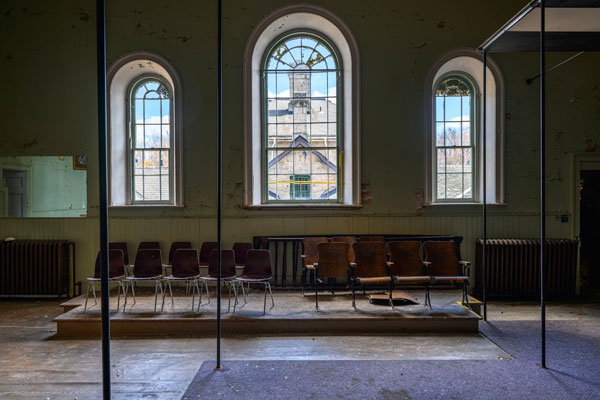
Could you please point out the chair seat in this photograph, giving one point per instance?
(450, 278)
(214, 278)
(254, 279)
(378, 279)
(181, 278)
(112, 278)
(143, 278)
(419, 279)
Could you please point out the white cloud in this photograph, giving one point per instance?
(154, 120)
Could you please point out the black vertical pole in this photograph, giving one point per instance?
(103, 204)
(543, 175)
(219, 168)
(484, 140)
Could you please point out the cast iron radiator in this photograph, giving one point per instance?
(36, 267)
(513, 267)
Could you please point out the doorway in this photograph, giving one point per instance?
(589, 221)
(16, 182)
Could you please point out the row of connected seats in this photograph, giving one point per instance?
(184, 265)
(369, 263)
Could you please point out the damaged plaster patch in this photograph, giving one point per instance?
(33, 143)
(366, 192)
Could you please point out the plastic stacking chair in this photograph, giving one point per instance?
(376, 238)
(205, 250)
(258, 270)
(123, 247)
(310, 256)
(370, 267)
(333, 263)
(176, 246)
(228, 274)
(184, 269)
(149, 246)
(346, 239)
(407, 266)
(116, 273)
(240, 249)
(445, 267)
(147, 267)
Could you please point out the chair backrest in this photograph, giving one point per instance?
(346, 239)
(443, 258)
(185, 263)
(148, 262)
(258, 264)
(377, 238)
(205, 250)
(176, 246)
(120, 246)
(311, 254)
(116, 265)
(227, 263)
(333, 260)
(148, 245)
(240, 249)
(406, 258)
(370, 259)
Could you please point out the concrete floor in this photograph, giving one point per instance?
(34, 365)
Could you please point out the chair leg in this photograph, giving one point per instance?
(171, 293)
(265, 305)
(199, 288)
(235, 303)
(86, 298)
(229, 298)
(270, 292)
(392, 293)
(207, 292)
(193, 293)
(465, 295)
(317, 295)
(119, 288)
(133, 286)
(126, 293)
(302, 278)
(94, 292)
(353, 295)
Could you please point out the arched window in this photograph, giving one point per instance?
(301, 134)
(454, 124)
(455, 135)
(150, 141)
(302, 111)
(145, 133)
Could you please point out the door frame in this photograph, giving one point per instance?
(579, 162)
(28, 171)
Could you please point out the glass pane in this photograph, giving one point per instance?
(139, 111)
(452, 110)
(439, 108)
(453, 160)
(439, 133)
(283, 85)
(166, 136)
(152, 111)
(332, 84)
(151, 187)
(454, 186)
(166, 110)
(318, 84)
(467, 160)
(441, 160)
(151, 162)
(139, 136)
(138, 162)
(302, 161)
(468, 186)
(283, 163)
(466, 133)
(466, 108)
(320, 186)
(164, 162)
(441, 186)
(138, 188)
(453, 135)
(152, 136)
(318, 135)
(164, 187)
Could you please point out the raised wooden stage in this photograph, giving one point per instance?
(293, 313)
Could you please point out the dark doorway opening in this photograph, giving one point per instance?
(589, 190)
(16, 182)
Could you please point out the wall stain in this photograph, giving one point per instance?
(33, 143)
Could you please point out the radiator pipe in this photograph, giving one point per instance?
(103, 199)
(219, 168)
(543, 178)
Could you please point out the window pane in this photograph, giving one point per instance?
(466, 108)
(454, 186)
(468, 189)
(441, 160)
(139, 136)
(453, 135)
(441, 186)
(166, 136)
(152, 136)
(453, 109)
(164, 187)
(151, 187)
(467, 161)
(139, 111)
(318, 135)
(166, 111)
(439, 108)
(466, 133)
(454, 160)
(439, 133)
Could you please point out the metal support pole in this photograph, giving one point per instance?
(543, 176)
(219, 168)
(103, 200)
(484, 140)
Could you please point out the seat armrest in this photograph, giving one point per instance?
(352, 264)
(465, 262)
(426, 265)
(466, 267)
(389, 263)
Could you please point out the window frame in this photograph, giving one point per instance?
(475, 140)
(319, 36)
(131, 123)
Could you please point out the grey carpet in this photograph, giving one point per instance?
(573, 359)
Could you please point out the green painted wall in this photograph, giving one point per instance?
(48, 106)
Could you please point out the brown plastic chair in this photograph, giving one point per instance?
(149, 246)
(346, 239)
(333, 263)
(184, 269)
(176, 246)
(116, 273)
(120, 246)
(407, 266)
(376, 238)
(228, 273)
(257, 270)
(445, 267)
(310, 256)
(370, 267)
(240, 249)
(147, 267)
(205, 250)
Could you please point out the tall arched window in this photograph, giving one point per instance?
(145, 132)
(301, 135)
(455, 136)
(302, 111)
(150, 141)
